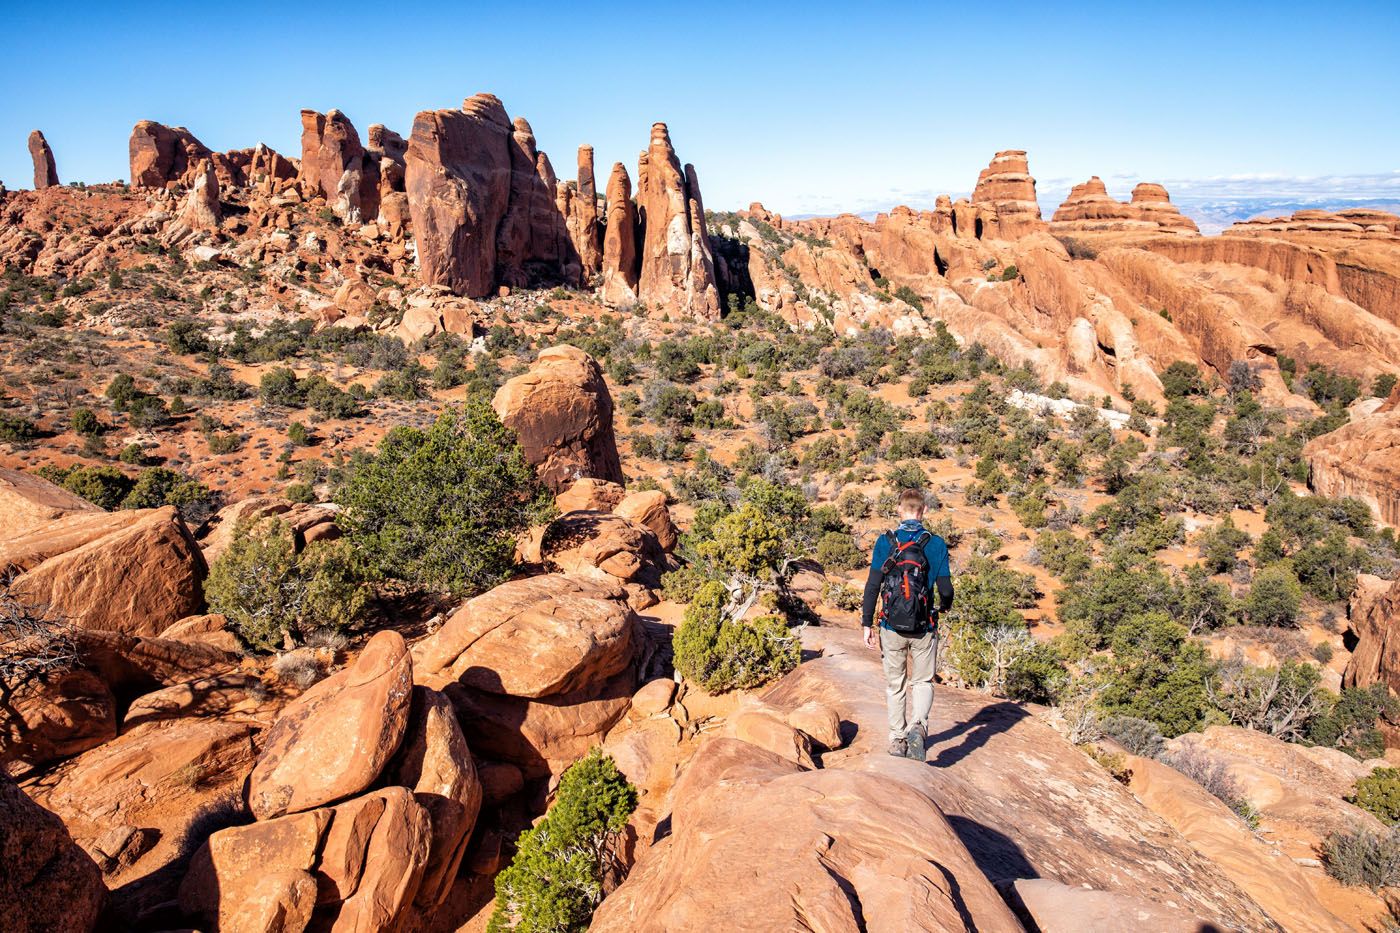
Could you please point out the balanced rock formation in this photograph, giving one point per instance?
(49, 883)
(1089, 207)
(533, 637)
(620, 241)
(1007, 187)
(45, 174)
(135, 572)
(677, 267)
(563, 413)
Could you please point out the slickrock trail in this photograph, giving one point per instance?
(867, 841)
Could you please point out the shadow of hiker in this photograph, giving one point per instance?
(997, 855)
(976, 731)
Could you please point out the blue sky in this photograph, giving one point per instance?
(809, 107)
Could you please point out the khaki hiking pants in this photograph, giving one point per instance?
(909, 662)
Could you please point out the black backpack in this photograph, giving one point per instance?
(904, 587)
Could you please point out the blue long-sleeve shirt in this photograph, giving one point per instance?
(940, 578)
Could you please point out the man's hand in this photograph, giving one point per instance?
(871, 639)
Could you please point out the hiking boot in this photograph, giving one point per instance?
(897, 746)
(914, 742)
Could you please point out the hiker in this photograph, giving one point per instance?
(908, 569)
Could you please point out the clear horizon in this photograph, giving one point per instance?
(805, 108)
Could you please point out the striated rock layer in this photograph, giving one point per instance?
(1090, 208)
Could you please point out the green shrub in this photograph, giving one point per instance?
(841, 596)
(301, 492)
(298, 434)
(723, 654)
(268, 591)
(836, 551)
(14, 429)
(160, 486)
(1274, 597)
(1182, 378)
(1036, 675)
(1384, 385)
(1378, 793)
(84, 421)
(441, 508)
(1363, 858)
(104, 486)
(1156, 673)
(555, 881)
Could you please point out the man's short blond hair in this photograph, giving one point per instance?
(912, 502)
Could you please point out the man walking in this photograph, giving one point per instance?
(908, 569)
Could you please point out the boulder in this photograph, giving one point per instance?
(677, 267)
(654, 697)
(436, 765)
(49, 883)
(840, 850)
(534, 637)
(334, 740)
(54, 718)
(45, 174)
(305, 520)
(542, 736)
(648, 508)
(563, 413)
(602, 546)
(222, 695)
(589, 494)
(211, 629)
(134, 664)
(363, 861)
(28, 501)
(138, 579)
